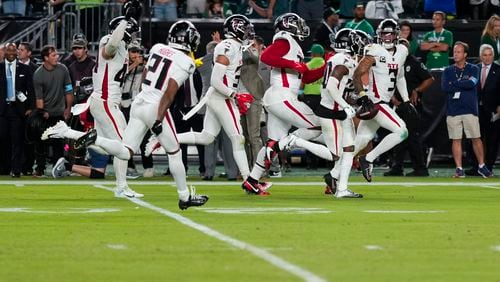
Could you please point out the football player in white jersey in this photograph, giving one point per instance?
(222, 110)
(109, 72)
(168, 67)
(337, 83)
(104, 102)
(285, 56)
(384, 64)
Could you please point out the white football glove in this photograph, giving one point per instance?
(350, 112)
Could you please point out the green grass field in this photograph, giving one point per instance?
(75, 230)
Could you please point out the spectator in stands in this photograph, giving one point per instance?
(24, 51)
(215, 10)
(274, 8)
(491, 35)
(418, 80)
(165, 10)
(54, 96)
(310, 9)
(16, 7)
(347, 8)
(16, 93)
(437, 43)
(328, 28)
(196, 8)
(489, 106)
(459, 81)
(251, 82)
(406, 32)
(36, 8)
(359, 22)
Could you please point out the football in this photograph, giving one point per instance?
(366, 113)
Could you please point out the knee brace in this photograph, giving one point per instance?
(95, 174)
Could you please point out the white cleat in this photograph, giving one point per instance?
(56, 131)
(347, 194)
(127, 193)
(152, 145)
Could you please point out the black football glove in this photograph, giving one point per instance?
(365, 102)
(157, 127)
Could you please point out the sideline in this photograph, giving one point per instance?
(21, 183)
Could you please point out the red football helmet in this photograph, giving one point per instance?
(244, 101)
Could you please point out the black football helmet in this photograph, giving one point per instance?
(183, 35)
(132, 27)
(359, 40)
(342, 42)
(238, 27)
(388, 33)
(293, 24)
(132, 9)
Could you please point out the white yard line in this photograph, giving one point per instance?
(495, 185)
(117, 246)
(259, 252)
(490, 186)
(400, 211)
(373, 247)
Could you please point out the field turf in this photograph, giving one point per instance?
(405, 229)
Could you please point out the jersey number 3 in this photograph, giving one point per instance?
(157, 74)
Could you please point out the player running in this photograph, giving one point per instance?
(384, 63)
(168, 67)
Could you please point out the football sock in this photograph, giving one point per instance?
(176, 167)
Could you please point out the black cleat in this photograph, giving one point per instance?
(366, 168)
(86, 140)
(331, 184)
(193, 201)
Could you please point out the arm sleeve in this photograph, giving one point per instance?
(116, 38)
(273, 55)
(333, 89)
(217, 80)
(313, 75)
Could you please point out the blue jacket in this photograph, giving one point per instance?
(465, 82)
